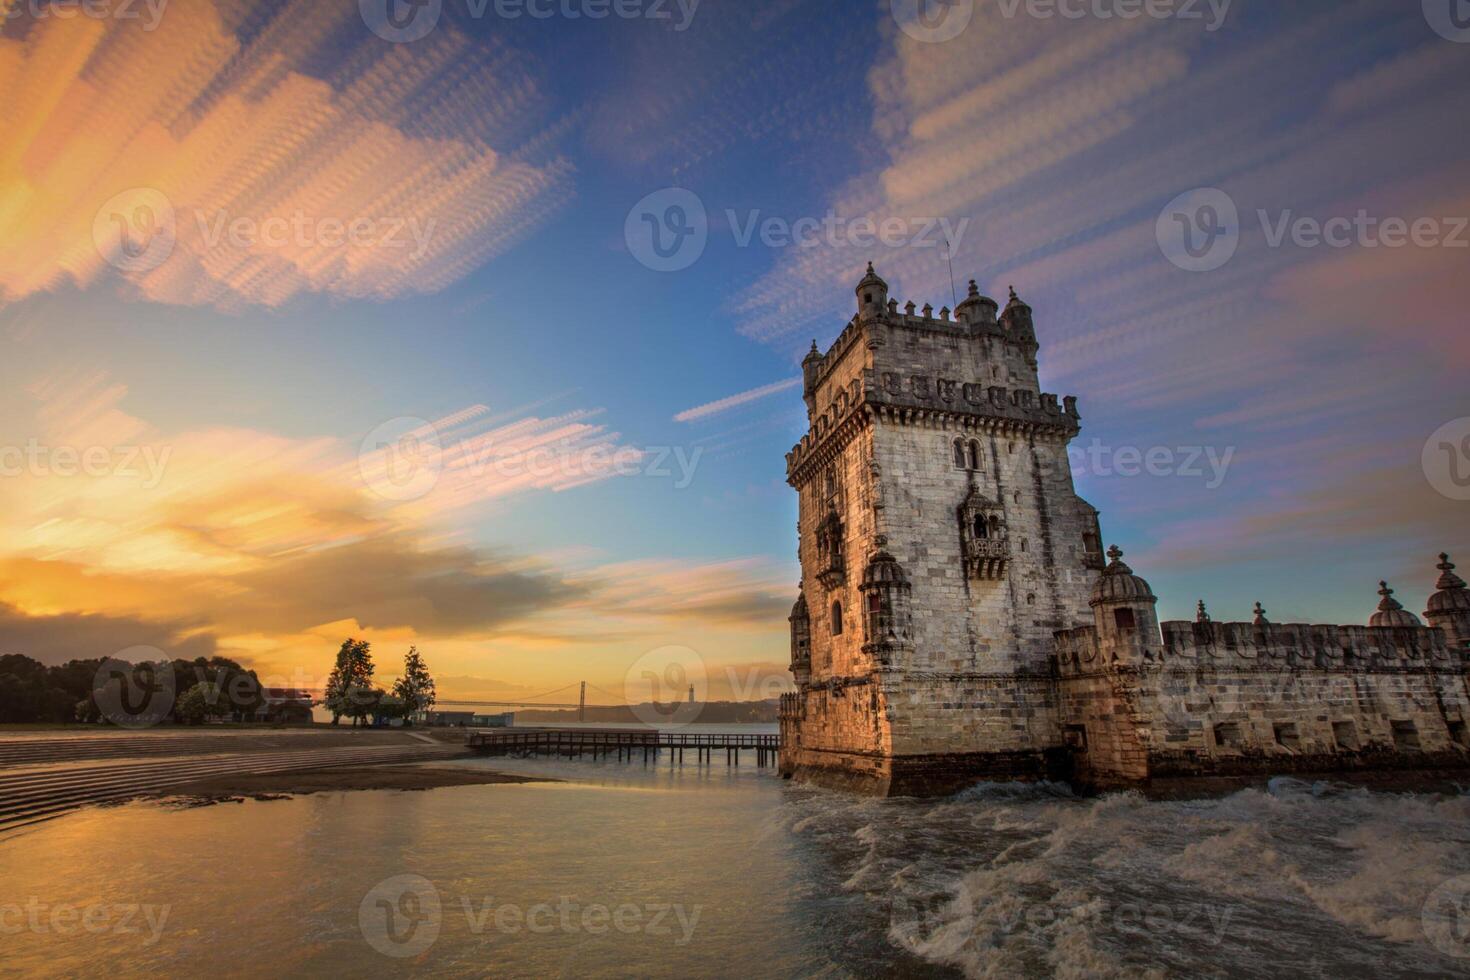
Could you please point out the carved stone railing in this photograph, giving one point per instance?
(987, 558)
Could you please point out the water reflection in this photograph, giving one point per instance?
(665, 871)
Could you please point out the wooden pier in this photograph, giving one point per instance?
(624, 744)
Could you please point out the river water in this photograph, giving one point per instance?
(625, 871)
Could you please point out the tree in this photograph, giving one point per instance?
(350, 678)
(415, 689)
(200, 702)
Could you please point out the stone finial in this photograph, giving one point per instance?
(928, 310)
(1260, 619)
(1201, 615)
(974, 290)
(944, 313)
(909, 308)
(893, 306)
(1014, 297)
(1116, 565)
(1390, 611)
(1447, 577)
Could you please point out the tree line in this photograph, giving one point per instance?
(199, 690)
(213, 687)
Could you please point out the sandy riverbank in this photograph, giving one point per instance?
(282, 785)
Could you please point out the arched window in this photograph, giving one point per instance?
(974, 455)
(836, 619)
(959, 454)
(982, 528)
(1031, 598)
(1025, 545)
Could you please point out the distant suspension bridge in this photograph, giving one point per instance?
(533, 701)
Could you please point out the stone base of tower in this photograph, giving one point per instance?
(918, 775)
(889, 735)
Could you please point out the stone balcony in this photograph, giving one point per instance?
(987, 558)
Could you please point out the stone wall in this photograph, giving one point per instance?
(1237, 699)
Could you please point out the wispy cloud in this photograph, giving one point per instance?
(735, 401)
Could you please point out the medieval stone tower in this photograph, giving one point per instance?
(942, 546)
(958, 621)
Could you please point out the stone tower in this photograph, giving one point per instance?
(942, 545)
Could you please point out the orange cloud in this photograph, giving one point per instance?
(210, 170)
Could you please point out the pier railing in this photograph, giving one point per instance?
(624, 744)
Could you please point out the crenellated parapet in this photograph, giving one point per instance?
(1272, 647)
(1299, 646)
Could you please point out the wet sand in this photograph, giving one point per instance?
(284, 785)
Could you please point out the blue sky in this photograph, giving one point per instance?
(1054, 142)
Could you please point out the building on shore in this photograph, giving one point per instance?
(958, 619)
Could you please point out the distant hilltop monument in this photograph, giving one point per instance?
(958, 618)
